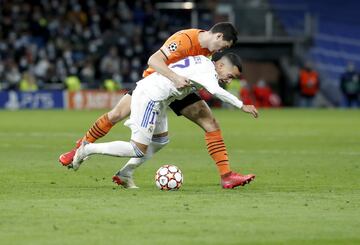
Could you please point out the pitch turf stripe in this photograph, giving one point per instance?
(98, 127)
(212, 142)
(216, 152)
(147, 113)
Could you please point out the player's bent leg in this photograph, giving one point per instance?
(148, 121)
(124, 176)
(114, 148)
(101, 127)
(121, 110)
(200, 113)
(104, 123)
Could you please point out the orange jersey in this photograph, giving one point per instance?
(180, 45)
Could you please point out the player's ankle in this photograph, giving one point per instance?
(226, 174)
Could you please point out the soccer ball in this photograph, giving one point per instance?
(168, 177)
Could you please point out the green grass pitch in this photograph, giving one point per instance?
(306, 191)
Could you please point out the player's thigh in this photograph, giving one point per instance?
(121, 110)
(201, 114)
(178, 105)
(142, 118)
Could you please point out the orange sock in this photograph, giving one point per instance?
(99, 129)
(217, 150)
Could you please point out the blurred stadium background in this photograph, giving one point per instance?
(48, 48)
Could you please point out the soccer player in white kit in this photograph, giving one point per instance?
(155, 92)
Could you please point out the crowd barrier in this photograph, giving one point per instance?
(59, 99)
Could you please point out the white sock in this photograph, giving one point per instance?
(156, 145)
(114, 148)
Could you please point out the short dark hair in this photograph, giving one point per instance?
(227, 29)
(235, 60)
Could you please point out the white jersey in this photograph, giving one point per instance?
(198, 69)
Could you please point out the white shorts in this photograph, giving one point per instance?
(147, 117)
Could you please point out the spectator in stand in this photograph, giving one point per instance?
(2, 71)
(42, 67)
(110, 63)
(28, 82)
(87, 74)
(350, 86)
(73, 83)
(111, 85)
(245, 93)
(309, 85)
(12, 75)
(262, 93)
(53, 39)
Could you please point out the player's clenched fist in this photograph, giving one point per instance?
(180, 82)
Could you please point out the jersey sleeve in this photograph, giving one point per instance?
(176, 47)
(208, 79)
(227, 97)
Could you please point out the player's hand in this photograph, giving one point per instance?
(250, 109)
(180, 82)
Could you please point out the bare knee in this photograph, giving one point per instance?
(201, 114)
(141, 147)
(121, 110)
(208, 124)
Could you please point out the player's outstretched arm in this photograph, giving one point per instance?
(157, 62)
(231, 99)
(250, 109)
